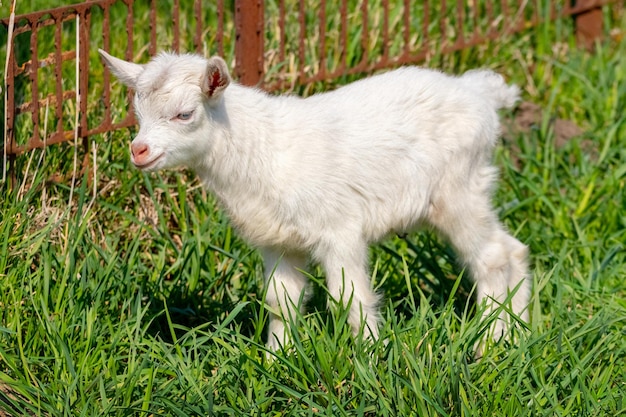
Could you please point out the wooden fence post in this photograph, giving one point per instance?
(249, 22)
(588, 23)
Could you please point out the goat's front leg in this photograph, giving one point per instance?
(285, 293)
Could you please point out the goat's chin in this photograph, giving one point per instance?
(154, 164)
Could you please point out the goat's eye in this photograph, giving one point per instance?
(184, 115)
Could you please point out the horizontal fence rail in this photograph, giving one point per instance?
(50, 85)
(312, 44)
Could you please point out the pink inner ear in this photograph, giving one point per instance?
(215, 82)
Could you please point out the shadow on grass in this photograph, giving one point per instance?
(174, 317)
(429, 266)
(174, 309)
(421, 261)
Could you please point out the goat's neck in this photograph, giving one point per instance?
(240, 159)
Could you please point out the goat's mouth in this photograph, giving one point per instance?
(150, 164)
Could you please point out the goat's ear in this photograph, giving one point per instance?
(216, 78)
(126, 72)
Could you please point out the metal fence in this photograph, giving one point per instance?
(53, 92)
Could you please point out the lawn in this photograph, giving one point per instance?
(132, 295)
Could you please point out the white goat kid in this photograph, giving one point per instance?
(320, 178)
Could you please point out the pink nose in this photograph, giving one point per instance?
(140, 152)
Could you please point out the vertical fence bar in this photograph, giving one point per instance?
(343, 11)
(106, 44)
(407, 29)
(130, 18)
(34, 65)
(442, 24)
(281, 25)
(219, 37)
(153, 27)
(129, 31)
(505, 16)
(476, 15)
(302, 22)
(176, 24)
(460, 17)
(385, 56)
(426, 28)
(83, 57)
(197, 37)
(249, 36)
(322, 50)
(588, 23)
(365, 32)
(81, 94)
(490, 20)
(58, 75)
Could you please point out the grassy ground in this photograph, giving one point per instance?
(139, 299)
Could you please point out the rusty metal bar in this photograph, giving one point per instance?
(34, 51)
(281, 26)
(176, 24)
(50, 100)
(106, 41)
(443, 24)
(83, 57)
(490, 19)
(407, 28)
(343, 13)
(476, 20)
(460, 15)
(153, 28)
(58, 78)
(322, 43)
(588, 22)
(249, 21)
(129, 42)
(425, 27)
(505, 13)
(364, 32)
(385, 48)
(197, 37)
(46, 17)
(219, 38)
(302, 23)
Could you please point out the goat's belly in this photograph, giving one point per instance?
(264, 227)
(397, 216)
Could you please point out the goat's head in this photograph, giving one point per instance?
(175, 98)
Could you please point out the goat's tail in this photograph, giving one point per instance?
(492, 85)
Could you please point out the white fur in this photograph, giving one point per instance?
(321, 178)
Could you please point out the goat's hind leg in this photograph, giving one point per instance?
(495, 259)
(500, 271)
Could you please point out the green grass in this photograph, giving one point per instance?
(141, 299)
